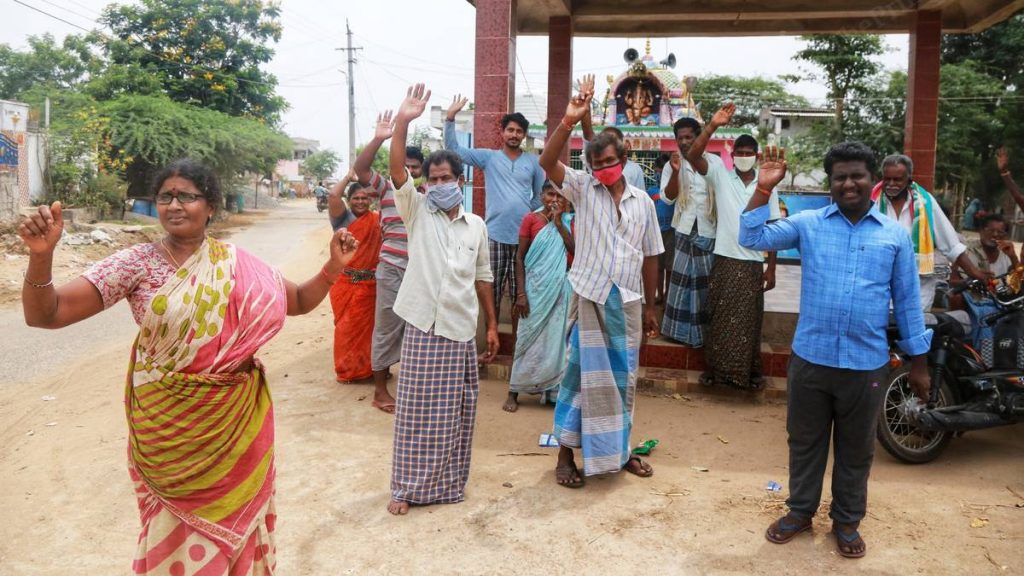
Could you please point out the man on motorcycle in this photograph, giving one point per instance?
(855, 261)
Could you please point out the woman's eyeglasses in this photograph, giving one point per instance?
(183, 197)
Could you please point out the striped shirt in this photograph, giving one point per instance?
(395, 248)
(611, 243)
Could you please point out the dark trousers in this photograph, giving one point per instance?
(843, 404)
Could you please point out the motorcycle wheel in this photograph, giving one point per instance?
(905, 441)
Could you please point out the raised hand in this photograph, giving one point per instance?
(724, 115)
(458, 103)
(414, 104)
(578, 107)
(1002, 160)
(773, 168)
(676, 161)
(385, 126)
(587, 84)
(42, 230)
(343, 248)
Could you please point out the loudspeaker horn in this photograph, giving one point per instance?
(630, 55)
(670, 61)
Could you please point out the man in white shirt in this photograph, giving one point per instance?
(449, 272)
(903, 200)
(615, 266)
(686, 316)
(739, 277)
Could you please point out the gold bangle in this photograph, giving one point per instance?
(323, 272)
(34, 285)
(568, 128)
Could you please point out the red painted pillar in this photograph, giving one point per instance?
(559, 73)
(495, 83)
(923, 95)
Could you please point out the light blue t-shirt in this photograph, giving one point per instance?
(513, 187)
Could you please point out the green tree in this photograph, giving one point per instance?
(844, 64)
(321, 165)
(381, 158)
(750, 94)
(45, 64)
(206, 54)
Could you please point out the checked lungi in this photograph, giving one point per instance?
(686, 316)
(503, 267)
(435, 409)
(596, 397)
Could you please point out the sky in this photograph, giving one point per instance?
(404, 42)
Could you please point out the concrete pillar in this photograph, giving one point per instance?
(559, 73)
(921, 134)
(495, 83)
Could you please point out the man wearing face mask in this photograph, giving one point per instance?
(917, 211)
(631, 171)
(614, 276)
(394, 259)
(512, 181)
(447, 282)
(738, 275)
(686, 316)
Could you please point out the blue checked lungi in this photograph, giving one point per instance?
(595, 399)
(435, 409)
(503, 267)
(686, 317)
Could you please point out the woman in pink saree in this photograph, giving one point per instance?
(200, 419)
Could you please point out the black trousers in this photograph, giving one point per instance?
(843, 404)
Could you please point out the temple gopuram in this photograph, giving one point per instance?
(644, 101)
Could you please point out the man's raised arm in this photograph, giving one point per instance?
(574, 112)
(695, 155)
(411, 108)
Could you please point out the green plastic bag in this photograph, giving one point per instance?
(645, 447)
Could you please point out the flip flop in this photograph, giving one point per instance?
(785, 532)
(387, 408)
(845, 542)
(645, 469)
(570, 470)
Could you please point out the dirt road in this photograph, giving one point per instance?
(69, 508)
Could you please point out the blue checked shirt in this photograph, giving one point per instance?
(850, 274)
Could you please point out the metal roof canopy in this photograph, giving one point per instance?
(659, 18)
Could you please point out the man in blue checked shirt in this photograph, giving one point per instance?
(855, 262)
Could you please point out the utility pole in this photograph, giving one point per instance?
(351, 50)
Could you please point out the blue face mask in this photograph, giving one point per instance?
(445, 196)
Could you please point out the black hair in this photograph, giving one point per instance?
(439, 157)
(850, 152)
(414, 153)
(517, 118)
(661, 161)
(354, 187)
(687, 122)
(602, 141)
(745, 141)
(199, 174)
(548, 184)
(618, 133)
(990, 218)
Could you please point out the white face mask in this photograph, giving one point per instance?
(744, 163)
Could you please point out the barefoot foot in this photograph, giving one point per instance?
(398, 508)
(511, 403)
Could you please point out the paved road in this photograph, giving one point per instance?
(30, 353)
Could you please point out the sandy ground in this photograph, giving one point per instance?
(69, 507)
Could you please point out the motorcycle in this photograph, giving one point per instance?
(966, 394)
(321, 203)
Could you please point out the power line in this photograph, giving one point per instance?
(68, 10)
(45, 13)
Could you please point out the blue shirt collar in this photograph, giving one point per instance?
(873, 212)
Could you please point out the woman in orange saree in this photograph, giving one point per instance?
(200, 419)
(354, 294)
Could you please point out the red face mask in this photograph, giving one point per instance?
(609, 174)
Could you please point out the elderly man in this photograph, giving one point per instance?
(448, 274)
(615, 267)
(855, 262)
(917, 211)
